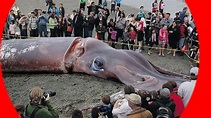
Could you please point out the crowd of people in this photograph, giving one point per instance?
(155, 28)
(167, 102)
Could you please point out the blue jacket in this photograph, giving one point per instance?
(43, 20)
(57, 11)
(182, 15)
(105, 3)
(118, 1)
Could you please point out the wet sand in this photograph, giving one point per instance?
(77, 90)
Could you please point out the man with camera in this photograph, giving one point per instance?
(40, 106)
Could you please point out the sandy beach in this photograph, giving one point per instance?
(77, 90)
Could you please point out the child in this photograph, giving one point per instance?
(12, 29)
(126, 38)
(106, 109)
(163, 39)
(133, 37)
(113, 36)
(152, 40)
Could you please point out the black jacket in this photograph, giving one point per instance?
(61, 11)
(153, 107)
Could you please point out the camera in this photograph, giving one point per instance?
(45, 95)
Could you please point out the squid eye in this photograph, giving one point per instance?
(98, 63)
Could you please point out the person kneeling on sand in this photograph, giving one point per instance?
(38, 104)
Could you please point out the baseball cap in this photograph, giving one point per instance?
(134, 98)
(194, 70)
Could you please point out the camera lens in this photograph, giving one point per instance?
(52, 93)
(45, 94)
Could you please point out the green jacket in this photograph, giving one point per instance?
(43, 112)
(52, 23)
(82, 1)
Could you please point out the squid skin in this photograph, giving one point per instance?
(35, 55)
(74, 54)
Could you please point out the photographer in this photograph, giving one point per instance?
(42, 23)
(166, 20)
(38, 103)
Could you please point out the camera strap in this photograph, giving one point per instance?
(33, 112)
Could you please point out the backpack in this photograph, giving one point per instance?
(164, 111)
(33, 112)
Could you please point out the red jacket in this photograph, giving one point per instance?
(179, 104)
(141, 26)
(163, 35)
(183, 31)
(132, 35)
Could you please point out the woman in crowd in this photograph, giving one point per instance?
(174, 37)
(152, 40)
(113, 33)
(111, 24)
(60, 26)
(23, 24)
(53, 25)
(163, 39)
(140, 33)
(120, 25)
(133, 37)
(68, 25)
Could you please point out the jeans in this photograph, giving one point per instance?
(86, 32)
(90, 33)
(181, 43)
(43, 28)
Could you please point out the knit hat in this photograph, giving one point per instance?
(194, 70)
(164, 93)
(134, 98)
